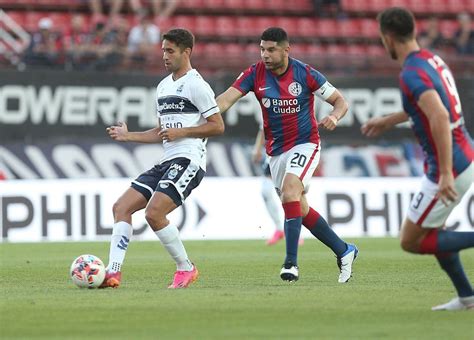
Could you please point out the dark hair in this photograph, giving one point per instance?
(399, 22)
(181, 37)
(276, 34)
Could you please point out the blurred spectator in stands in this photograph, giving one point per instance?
(75, 43)
(143, 39)
(102, 49)
(464, 37)
(118, 37)
(328, 9)
(163, 9)
(431, 37)
(115, 6)
(45, 46)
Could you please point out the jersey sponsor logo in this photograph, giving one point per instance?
(264, 88)
(266, 102)
(282, 105)
(175, 104)
(171, 106)
(295, 88)
(171, 125)
(180, 88)
(177, 167)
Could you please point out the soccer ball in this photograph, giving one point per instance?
(87, 271)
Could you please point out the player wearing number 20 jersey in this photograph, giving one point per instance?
(287, 103)
(285, 88)
(422, 71)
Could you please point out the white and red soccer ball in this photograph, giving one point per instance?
(87, 271)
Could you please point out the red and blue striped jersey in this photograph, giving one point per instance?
(422, 71)
(287, 103)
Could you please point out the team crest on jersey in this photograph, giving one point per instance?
(295, 88)
(172, 173)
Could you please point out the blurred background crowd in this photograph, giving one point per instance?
(337, 35)
(70, 68)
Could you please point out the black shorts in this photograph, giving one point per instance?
(176, 178)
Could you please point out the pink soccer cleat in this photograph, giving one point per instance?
(182, 279)
(280, 235)
(277, 236)
(111, 280)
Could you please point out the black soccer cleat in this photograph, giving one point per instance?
(289, 272)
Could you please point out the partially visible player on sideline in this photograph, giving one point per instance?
(431, 103)
(269, 194)
(187, 114)
(285, 89)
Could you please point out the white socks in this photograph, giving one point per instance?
(169, 237)
(121, 235)
(272, 202)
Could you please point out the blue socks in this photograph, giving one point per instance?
(318, 226)
(293, 221)
(451, 264)
(445, 241)
(445, 245)
(454, 240)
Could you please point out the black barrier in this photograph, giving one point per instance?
(36, 105)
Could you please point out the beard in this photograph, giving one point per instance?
(274, 66)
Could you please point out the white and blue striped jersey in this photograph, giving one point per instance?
(183, 103)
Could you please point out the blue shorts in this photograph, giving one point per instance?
(175, 178)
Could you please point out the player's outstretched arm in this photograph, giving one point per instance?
(213, 127)
(228, 98)
(438, 118)
(375, 126)
(120, 133)
(339, 110)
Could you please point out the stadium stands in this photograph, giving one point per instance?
(230, 26)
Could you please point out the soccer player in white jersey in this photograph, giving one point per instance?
(187, 114)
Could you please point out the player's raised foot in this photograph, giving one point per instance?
(277, 236)
(345, 263)
(458, 303)
(183, 279)
(111, 280)
(289, 272)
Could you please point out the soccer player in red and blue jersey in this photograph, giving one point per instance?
(431, 103)
(285, 88)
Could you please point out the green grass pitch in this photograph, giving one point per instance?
(239, 294)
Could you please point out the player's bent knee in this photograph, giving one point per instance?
(155, 219)
(410, 246)
(120, 210)
(290, 195)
